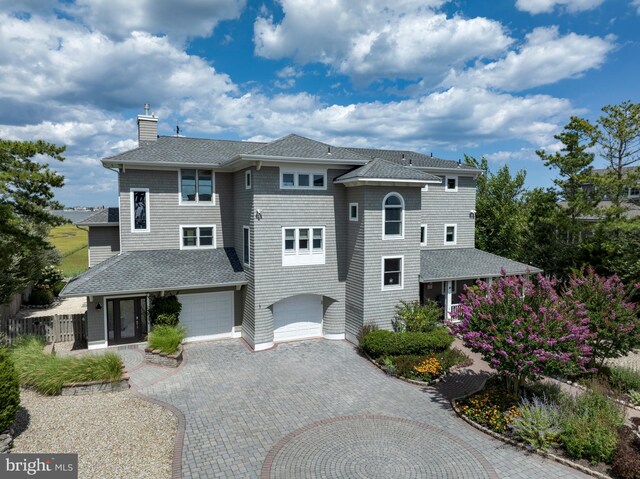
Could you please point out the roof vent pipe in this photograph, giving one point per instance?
(329, 150)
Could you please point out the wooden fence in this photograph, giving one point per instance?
(57, 328)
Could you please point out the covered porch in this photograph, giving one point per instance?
(445, 272)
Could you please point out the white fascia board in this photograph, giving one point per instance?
(291, 159)
(390, 181)
(152, 290)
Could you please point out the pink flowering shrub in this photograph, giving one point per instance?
(614, 321)
(523, 328)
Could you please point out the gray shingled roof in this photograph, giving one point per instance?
(296, 146)
(104, 217)
(411, 158)
(173, 149)
(384, 169)
(158, 270)
(467, 263)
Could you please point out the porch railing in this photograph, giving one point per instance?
(453, 308)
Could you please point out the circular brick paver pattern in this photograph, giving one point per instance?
(373, 447)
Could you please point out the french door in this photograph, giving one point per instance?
(126, 319)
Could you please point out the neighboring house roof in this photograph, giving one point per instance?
(412, 158)
(385, 170)
(159, 270)
(625, 170)
(173, 150)
(103, 217)
(632, 209)
(467, 263)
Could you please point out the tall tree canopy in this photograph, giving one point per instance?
(501, 222)
(26, 195)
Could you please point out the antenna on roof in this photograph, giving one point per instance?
(410, 162)
(146, 109)
(328, 149)
(459, 162)
(177, 130)
(403, 157)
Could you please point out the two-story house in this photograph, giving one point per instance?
(279, 240)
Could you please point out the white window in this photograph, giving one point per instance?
(392, 272)
(197, 236)
(303, 246)
(247, 179)
(451, 183)
(450, 234)
(302, 179)
(196, 186)
(393, 216)
(353, 211)
(423, 235)
(246, 244)
(139, 199)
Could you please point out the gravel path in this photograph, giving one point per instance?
(63, 306)
(116, 435)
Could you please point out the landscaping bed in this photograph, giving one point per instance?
(165, 345)
(52, 374)
(586, 429)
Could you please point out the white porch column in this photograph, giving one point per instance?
(448, 299)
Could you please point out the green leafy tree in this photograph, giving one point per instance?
(501, 221)
(26, 196)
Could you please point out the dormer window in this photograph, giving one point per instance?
(196, 186)
(393, 216)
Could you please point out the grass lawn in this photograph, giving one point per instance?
(72, 243)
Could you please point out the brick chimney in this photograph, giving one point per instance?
(147, 126)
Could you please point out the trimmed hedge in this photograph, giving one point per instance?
(387, 343)
(9, 390)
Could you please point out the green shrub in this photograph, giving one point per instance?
(626, 459)
(387, 343)
(364, 330)
(47, 373)
(41, 297)
(589, 426)
(537, 424)
(414, 317)
(624, 379)
(165, 310)
(634, 397)
(166, 338)
(9, 390)
(549, 392)
(49, 276)
(59, 286)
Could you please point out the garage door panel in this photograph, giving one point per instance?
(297, 317)
(207, 314)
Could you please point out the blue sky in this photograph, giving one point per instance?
(493, 78)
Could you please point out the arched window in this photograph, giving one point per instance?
(393, 206)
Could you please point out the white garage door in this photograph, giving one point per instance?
(207, 315)
(297, 317)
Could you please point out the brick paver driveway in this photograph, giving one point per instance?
(317, 409)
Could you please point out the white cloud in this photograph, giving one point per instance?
(547, 6)
(636, 3)
(193, 18)
(545, 58)
(404, 39)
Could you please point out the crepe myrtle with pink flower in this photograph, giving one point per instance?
(523, 329)
(614, 320)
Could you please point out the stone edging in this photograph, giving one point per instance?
(155, 356)
(176, 462)
(513, 442)
(411, 381)
(6, 440)
(90, 387)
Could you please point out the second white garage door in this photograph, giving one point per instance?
(297, 317)
(207, 315)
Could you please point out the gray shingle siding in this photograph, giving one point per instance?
(166, 214)
(273, 282)
(104, 242)
(379, 305)
(355, 254)
(440, 207)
